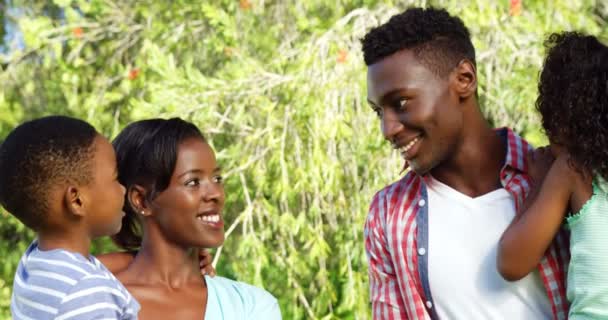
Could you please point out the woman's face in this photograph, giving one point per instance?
(189, 211)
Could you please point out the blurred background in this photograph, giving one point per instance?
(278, 88)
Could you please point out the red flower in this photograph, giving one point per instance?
(77, 32)
(515, 7)
(133, 74)
(342, 55)
(245, 4)
(229, 51)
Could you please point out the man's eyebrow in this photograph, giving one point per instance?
(386, 96)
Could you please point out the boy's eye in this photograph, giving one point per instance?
(193, 182)
(378, 111)
(218, 179)
(400, 104)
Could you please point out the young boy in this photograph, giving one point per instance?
(58, 177)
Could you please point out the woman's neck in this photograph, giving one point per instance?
(160, 262)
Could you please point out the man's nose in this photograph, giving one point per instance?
(390, 124)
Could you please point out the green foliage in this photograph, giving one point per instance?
(279, 90)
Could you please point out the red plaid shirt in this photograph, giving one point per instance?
(396, 238)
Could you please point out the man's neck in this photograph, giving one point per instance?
(475, 167)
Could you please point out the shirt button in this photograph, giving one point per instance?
(421, 251)
(421, 203)
(429, 304)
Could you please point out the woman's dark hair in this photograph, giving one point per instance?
(573, 99)
(146, 153)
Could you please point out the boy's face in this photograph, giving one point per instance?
(105, 195)
(419, 113)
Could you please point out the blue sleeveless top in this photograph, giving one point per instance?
(228, 300)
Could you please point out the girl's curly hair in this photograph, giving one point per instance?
(573, 99)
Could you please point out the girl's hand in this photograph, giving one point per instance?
(539, 163)
(527, 238)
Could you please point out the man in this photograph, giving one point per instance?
(431, 237)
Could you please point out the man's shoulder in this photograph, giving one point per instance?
(407, 185)
(515, 142)
(390, 199)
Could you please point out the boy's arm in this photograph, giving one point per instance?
(525, 241)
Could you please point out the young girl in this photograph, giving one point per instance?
(573, 102)
(173, 206)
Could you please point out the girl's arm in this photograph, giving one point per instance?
(525, 241)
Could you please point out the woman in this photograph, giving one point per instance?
(173, 206)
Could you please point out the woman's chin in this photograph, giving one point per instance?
(211, 243)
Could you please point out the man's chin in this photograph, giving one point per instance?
(420, 169)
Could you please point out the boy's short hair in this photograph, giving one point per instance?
(438, 40)
(38, 156)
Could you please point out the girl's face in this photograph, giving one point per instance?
(189, 211)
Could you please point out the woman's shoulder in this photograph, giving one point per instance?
(251, 300)
(225, 286)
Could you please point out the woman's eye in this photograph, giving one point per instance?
(218, 179)
(193, 183)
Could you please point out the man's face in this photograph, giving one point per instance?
(419, 112)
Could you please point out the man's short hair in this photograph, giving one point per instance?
(39, 155)
(437, 39)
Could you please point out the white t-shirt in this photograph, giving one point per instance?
(463, 240)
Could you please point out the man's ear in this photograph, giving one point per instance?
(464, 79)
(74, 201)
(136, 196)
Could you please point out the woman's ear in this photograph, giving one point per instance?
(464, 79)
(136, 196)
(73, 200)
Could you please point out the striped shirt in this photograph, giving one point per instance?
(396, 243)
(58, 284)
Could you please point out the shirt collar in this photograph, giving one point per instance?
(517, 150)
